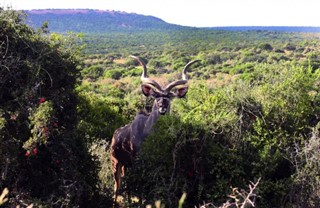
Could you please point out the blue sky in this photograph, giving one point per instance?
(200, 13)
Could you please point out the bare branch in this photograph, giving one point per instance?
(252, 187)
(239, 199)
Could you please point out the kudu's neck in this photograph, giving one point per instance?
(142, 126)
(152, 119)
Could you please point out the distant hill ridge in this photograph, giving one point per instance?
(69, 11)
(102, 21)
(95, 21)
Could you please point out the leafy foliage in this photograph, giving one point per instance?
(39, 147)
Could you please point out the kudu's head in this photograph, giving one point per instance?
(164, 95)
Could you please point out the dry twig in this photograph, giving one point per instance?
(239, 198)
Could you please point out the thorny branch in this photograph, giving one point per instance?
(7, 47)
(240, 198)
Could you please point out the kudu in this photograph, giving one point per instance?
(127, 140)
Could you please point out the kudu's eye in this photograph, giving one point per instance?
(155, 95)
(170, 95)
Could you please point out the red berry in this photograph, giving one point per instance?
(27, 154)
(42, 100)
(35, 151)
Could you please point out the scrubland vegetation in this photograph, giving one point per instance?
(252, 112)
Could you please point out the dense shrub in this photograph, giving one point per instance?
(113, 73)
(266, 46)
(99, 116)
(289, 47)
(42, 160)
(227, 136)
(93, 72)
(306, 157)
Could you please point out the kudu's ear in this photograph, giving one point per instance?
(147, 90)
(181, 92)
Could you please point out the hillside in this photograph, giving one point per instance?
(95, 21)
(102, 21)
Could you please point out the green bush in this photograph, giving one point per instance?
(266, 46)
(189, 161)
(227, 136)
(98, 116)
(42, 160)
(113, 74)
(93, 72)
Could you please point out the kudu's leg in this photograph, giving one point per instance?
(117, 173)
(116, 166)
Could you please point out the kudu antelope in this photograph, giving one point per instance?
(127, 140)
